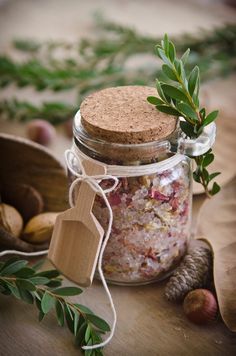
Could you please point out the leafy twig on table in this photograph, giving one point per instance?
(43, 288)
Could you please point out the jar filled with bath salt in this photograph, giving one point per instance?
(151, 205)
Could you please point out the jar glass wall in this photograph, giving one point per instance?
(151, 212)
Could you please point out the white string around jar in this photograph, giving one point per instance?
(22, 253)
(94, 181)
(74, 158)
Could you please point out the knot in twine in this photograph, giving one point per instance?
(94, 181)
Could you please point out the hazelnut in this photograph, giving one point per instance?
(200, 306)
(41, 131)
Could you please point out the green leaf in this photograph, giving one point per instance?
(70, 311)
(81, 320)
(59, 312)
(187, 111)
(69, 318)
(54, 283)
(38, 304)
(84, 309)
(177, 65)
(208, 159)
(48, 274)
(174, 92)
(26, 296)
(25, 273)
(185, 56)
(154, 100)
(172, 52)
(14, 290)
(168, 110)
(161, 55)
(215, 189)
(196, 177)
(205, 175)
(25, 284)
(169, 72)
(210, 118)
(8, 262)
(67, 291)
(80, 334)
(98, 322)
(213, 175)
(183, 75)
(87, 334)
(13, 268)
(187, 128)
(166, 43)
(203, 113)
(39, 280)
(47, 303)
(193, 79)
(96, 338)
(76, 321)
(159, 90)
(197, 87)
(195, 100)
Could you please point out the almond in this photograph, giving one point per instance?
(39, 228)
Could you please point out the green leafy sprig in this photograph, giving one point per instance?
(43, 288)
(55, 112)
(179, 96)
(95, 63)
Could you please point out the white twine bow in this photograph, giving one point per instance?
(94, 181)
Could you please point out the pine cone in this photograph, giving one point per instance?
(194, 272)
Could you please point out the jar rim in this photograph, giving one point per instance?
(134, 171)
(80, 133)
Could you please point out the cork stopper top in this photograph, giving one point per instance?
(123, 115)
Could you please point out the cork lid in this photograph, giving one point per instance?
(123, 115)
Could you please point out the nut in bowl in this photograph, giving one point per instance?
(29, 201)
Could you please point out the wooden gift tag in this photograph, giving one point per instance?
(77, 235)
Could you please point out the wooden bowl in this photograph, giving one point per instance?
(25, 162)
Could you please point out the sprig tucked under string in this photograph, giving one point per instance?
(179, 96)
(43, 288)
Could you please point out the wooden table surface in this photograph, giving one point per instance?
(147, 323)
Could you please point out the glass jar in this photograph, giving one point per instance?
(151, 205)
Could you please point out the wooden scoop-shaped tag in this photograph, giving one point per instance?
(77, 235)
